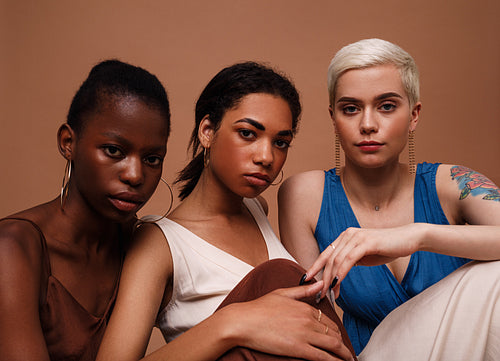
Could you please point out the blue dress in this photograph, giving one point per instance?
(368, 294)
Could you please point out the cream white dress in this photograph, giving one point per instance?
(203, 274)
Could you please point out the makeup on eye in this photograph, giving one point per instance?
(282, 140)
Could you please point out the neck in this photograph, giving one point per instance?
(375, 188)
(211, 197)
(81, 226)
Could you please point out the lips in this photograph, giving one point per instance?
(369, 146)
(258, 179)
(126, 201)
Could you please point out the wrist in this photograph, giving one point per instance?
(230, 327)
(422, 232)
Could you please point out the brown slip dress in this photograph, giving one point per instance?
(70, 331)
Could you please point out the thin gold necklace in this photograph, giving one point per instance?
(376, 207)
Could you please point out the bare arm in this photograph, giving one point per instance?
(21, 336)
(462, 195)
(299, 201)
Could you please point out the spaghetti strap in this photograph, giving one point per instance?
(43, 242)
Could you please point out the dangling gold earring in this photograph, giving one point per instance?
(206, 157)
(411, 152)
(149, 219)
(337, 154)
(281, 179)
(65, 183)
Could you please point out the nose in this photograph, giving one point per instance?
(368, 123)
(132, 172)
(264, 153)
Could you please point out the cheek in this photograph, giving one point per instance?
(280, 158)
(152, 181)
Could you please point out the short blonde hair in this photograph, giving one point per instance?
(371, 52)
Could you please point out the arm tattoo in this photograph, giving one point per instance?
(474, 183)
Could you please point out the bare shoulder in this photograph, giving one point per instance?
(465, 183)
(305, 184)
(300, 197)
(149, 251)
(19, 241)
(467, 193)
(148, 235)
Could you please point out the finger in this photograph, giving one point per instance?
(320, 262)
(333, 343)
(350, 258)
(300, 292)
(332, 326)
(348, 255)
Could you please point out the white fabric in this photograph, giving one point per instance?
(204, 274)
(456, 319)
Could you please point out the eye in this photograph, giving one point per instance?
(112, 151)
(387, 107)
(282, 144)
(153, 160)
(246, 134)
(349, 109)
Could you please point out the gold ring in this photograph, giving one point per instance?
(326, 330)
(333, 246)
(319, 315)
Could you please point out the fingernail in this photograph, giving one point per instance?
(303, 279)
(334, 282)
(318, 297)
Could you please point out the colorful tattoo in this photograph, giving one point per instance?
(471, 182)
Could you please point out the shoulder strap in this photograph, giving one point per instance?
(43, 242)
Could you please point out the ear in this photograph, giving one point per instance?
(415, 113)
(65, 141)
(332, 116)
(206, 132)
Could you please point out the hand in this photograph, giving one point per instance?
(362, 246)
(280, 324)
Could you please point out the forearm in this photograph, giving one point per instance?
(468, 241)
(206, 341)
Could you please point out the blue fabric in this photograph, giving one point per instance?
(368, 294)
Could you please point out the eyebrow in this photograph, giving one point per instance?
(127, 143)
(379, 97)
(252, 122)
(260, 126)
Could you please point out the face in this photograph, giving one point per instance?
(250, 147)
(372, 116)
(118, 157)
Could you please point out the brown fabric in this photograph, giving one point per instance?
(71, 332)
(267, 277)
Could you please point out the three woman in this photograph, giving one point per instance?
(60, 261)
(414, 224)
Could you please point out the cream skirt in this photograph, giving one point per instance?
(456, 319)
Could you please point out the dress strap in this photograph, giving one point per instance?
(46, 260)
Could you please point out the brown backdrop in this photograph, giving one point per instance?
(48, 47)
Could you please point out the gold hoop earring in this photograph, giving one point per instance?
(281, 179)
(337, 154)
(65, 183)
(148, 218)
(206, 157)
(411, 153)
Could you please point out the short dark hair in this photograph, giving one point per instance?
(224, 92)
(115, 78)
